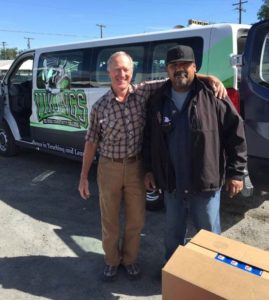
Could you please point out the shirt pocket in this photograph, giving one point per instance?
(111, 131)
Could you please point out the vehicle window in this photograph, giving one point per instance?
(259, 70)
(159, 50)
(265, 61)
(241, 40)
(62, 70)
(158, 61)
(100, 76)
(23, 72)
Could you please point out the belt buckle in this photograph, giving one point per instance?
(125, 160)
(129, 159)
(134, 158)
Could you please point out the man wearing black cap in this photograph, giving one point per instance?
(193, 144)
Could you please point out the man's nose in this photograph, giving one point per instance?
(179, 69)
(122, 72)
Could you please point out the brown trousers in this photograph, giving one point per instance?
(121, 182)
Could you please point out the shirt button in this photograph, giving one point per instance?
(186, 191)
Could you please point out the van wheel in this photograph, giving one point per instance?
(154, 200)
(7, 141)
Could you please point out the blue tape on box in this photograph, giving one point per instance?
(238, 264)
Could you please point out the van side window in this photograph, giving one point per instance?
(62, 70)
(100, 76)
(159, 50)
(23, 73)
(158, 61)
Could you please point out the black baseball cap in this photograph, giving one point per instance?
(180, 53)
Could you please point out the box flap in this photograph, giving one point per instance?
(234, 249)
(218, 278)
(202, 250)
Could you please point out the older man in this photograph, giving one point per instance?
(194, 143)
(116, 127)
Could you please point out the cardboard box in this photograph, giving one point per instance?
(196, 271)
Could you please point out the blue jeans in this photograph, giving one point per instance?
(204, 210)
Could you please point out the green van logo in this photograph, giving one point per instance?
(68, 107)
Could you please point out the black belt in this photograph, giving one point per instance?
(124, 160)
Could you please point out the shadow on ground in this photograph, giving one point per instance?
(55, 200)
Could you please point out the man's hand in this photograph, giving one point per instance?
(84, 188)
(233, 187)
(217, 86)
(149, 182)
(88, 156)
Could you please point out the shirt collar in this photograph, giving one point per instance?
(112, 96)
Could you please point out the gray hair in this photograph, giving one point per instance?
(118, 53)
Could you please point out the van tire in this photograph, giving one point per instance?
(7, 141)
(154, 200)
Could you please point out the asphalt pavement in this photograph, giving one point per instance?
(51, 239)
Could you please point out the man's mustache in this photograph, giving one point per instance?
(180, 73)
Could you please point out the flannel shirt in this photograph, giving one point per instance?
(117, 127)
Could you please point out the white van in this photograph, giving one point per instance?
(48, 108)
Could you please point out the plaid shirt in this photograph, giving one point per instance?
(118, 127)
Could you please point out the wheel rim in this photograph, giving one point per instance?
(3, 141)
(153, 196)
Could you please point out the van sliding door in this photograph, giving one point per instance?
(254, 89)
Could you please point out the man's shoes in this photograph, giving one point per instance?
(133, 271)
(110, 273)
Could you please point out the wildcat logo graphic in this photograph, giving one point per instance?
(55, 76)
